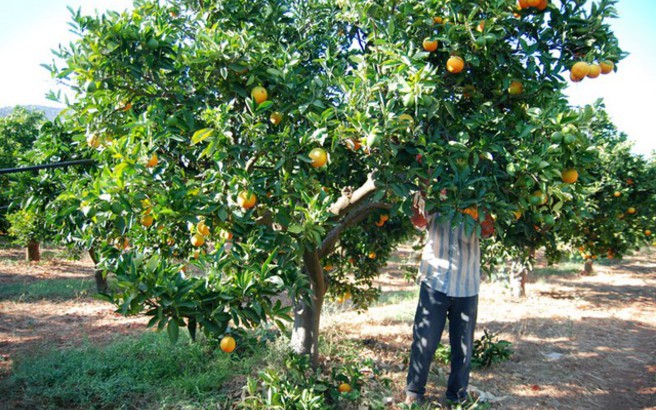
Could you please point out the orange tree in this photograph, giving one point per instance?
(618, 216)
(246, 149)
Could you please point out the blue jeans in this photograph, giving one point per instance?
(432, 311)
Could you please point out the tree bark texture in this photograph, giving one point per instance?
(33, 252)
(101, 279)
(307, 315)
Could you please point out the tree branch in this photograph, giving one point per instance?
(355, 216)
(350, 199)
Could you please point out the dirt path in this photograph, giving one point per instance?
(581, 342)
(35, 324)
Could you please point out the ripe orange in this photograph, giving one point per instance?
(372, 255)
(570, 175)
(429, 45)
(228, 344)
(226, 235)
(328, 268)
(518, 214)
(532, 3)
(523, 4)
(617, 194)
(202, 229)
(384, 218)
(152, 161)
(647, 232)
(595, 70)
(147, 220)
(471, 211)
(606, 66)
(631, 210)
(438, 20)
(344, 388)
(122, 243)
(574, 79)
(259, 94)
(246, 200)
(275, 118)
(319, 157)
(353, 144)
(380, 223)
(580, 69)
(455, 64)
(197, 240)
(542, 5)
(515, 88)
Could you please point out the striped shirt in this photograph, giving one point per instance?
(451, 261)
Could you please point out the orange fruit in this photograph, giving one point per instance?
(275, 118)
(246, 200)
(259, 94)
(580, 69)
(595, 70)
(532, 3)
(538, 198)
(631, 210)
(202, 229)
(353, 144)
(515, 88)
(226, 235)
(570, 175)
(344, 388)
(574, 79)
(455, 64)
(429, 45)
(147, 220)
(197, 240)
(471, 211)
(606, 66)
(384, 218)
(152, 161)
(228, 344)
(647, 232)
(438, 20)
(542, 5)
(122, 243)
(523, 4)
(328, 268)
(518, 214)
(380, 223)
(319, 157)
(629, 181)
(481, 26)
(617, 194)
(372, 255)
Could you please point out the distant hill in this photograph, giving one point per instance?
(50, 112)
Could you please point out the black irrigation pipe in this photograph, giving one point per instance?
(46, 166)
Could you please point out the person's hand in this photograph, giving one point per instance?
(418, 218)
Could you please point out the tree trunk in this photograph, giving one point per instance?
(307, 316)
(101, 279)
(587, 267)
(32, 252)
(518, 277)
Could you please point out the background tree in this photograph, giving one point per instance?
(245, 147)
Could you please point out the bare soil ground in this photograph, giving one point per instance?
(580, 342)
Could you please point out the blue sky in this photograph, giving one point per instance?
(30, 29)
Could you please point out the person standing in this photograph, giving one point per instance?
(450, 272)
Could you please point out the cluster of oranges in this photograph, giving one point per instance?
(541, 5)
(582, 69)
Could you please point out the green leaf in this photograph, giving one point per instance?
(201, 135)
(173, 331)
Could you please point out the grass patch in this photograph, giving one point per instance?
(137, 372)
(562, 268)
(396, 297)
(51, 289)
